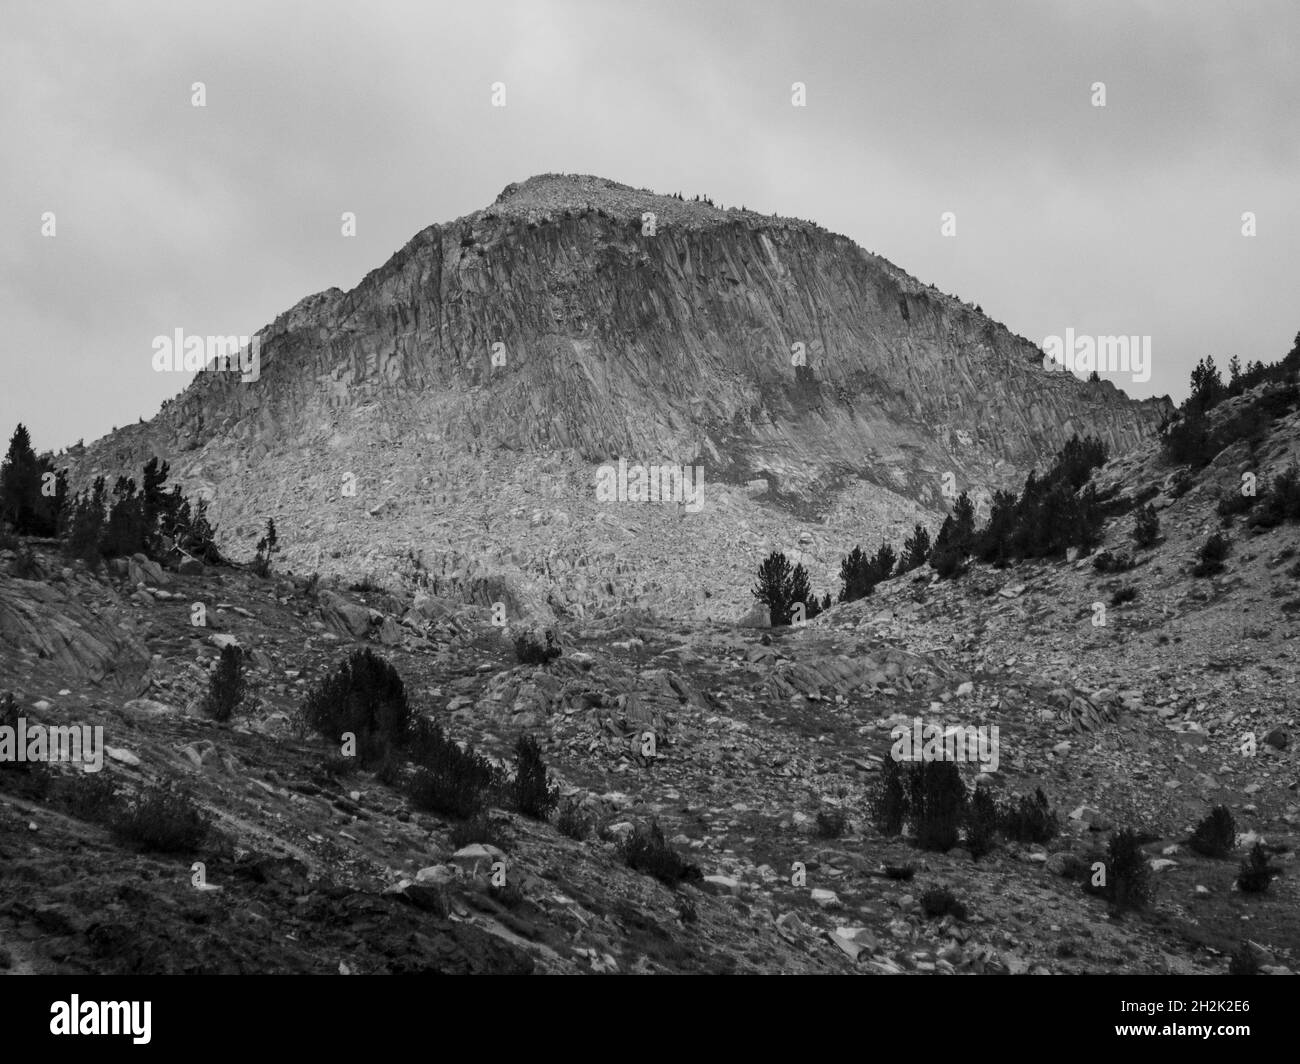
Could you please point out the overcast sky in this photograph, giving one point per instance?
(1123, 219)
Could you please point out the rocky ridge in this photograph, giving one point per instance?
(381, 426)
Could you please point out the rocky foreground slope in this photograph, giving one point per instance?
(455, 405)
(1134, 723)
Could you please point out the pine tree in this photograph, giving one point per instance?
(773, 588)
(266, 546)
(20, 485)
(86, 525)
(226, 688)
(882, 565)
(916, 549)
(126, 533)
(854, 583)
(800, 590)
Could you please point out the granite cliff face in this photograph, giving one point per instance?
(554, 331)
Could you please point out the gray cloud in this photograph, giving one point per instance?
(1117, 220)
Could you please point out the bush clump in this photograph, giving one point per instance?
(1256, 873)
(981, 822)
(1216, 835)
(1128, 875)
(1124, 594)
(1243, 961)
(1232, 504)
(449, 780)
(163, 818)
(25, 779)
(1280, 502)
(226, 687)
(1146, 527)
(364, 696)
(530, 650)
(936, 804)
(939, 901)
(889, 799)
(533, 795)
(1106, 562)
(1027, 819)
(831, 823)
(645, 850)
(572, 822)
(1211, 556)
(478, 828)
(88, 796)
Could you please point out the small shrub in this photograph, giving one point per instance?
(1128, 876)
(1232, 504)
(1212, 554)
(163, 818)
(478, 828)
(364, 696)
(1146, 527)
(26, 566)
(1027, 819)
(831, 823)
(451, 781)
(226, 687)
(508, 895)
(389, 772)
(1108, 562)
(1280, 502)
(338, 766)
(1243, 961)
(1123, 595)
(529, 650)
(889, 799)
(981, 822)
(1216, 835)
(646, 851)
(89, 796)
(1256, 873)
(572, 823)
(948, 562)
(687, 913)
(29, 780)
(939, 901)
(937, 804)
(533, 795)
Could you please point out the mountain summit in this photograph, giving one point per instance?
(481, 376)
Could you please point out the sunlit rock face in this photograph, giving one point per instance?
(474, 384)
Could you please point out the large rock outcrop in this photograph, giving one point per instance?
(555, 325)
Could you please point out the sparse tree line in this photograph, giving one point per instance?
(1191, 438)
(133, 518)
(1050, 516)
(1188, 437)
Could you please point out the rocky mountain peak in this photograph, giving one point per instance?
(563, 328)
